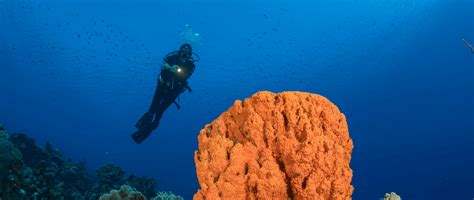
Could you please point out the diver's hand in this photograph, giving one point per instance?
(175, 68)
(166, 66)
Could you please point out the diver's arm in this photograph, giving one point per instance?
(173, 68)
(166, 66)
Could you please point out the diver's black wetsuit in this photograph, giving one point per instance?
(170, 86)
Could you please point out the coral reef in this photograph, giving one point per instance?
(46, 174)
(391, 196)
(145, 184)
(28, 171)
(10, 165)
(125, 193)
(128, 193)
(3, 134)
(290, 145)
(111, 177)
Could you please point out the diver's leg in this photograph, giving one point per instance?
(163, 106)
(167, 98)
(147, 118)
(146, 124)
(144, 121)
(161, 109)
(157, 97)
(143, 133)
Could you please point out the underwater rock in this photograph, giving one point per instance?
(391, 196)
(276, 146)
(125, 193)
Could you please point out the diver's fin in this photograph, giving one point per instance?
(140, 135)
(144, 121)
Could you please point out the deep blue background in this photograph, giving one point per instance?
(398, 69)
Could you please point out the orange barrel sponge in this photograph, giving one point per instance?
(290, 145)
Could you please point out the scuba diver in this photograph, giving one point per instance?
(178, 66)
(468, 45)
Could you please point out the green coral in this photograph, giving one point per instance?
(391, 196)
(167, 196)
(125, 193)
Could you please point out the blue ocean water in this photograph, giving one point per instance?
(78, 74)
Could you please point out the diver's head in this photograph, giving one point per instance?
(185, 51)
